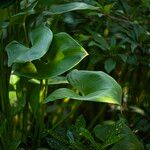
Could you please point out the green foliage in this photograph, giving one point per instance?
(59, 9)
(118, 135)
(63, 55)
(106, 89)
(41, 41)
(40, 38)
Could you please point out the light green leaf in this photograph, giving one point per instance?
(93, 85)
(64, 54)
(40, 38)
(107, 8)
(110, 65)
(52, 80)
(63, 8)
(57, 80)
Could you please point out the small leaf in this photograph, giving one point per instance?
(87, 135)
(123, 57)
(93, 85)
(110, 65)
(63, 8)
(80, 122)
(107, 8)
(103, 44)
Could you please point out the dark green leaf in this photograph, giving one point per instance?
(110, 65)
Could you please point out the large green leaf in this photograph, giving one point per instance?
(40, 38)
(63, 8)
(63, 55)
(93, 85)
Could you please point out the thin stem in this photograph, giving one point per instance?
(67, 116)
(25, 109)
(4, 96)
(97, 116)
(41, 112)
(25, 31)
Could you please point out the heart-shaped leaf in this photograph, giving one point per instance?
(63, 8)
(40, 38)
(63, 55)
(93, 85)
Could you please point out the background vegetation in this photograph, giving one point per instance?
(115, 34)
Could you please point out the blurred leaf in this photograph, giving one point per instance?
(101, 131)
(12, 97)
(110, 65)
(86, 134)
(132, 59)
(143, 125)
(21, 16)
(137, 110)
(13, 145)
(107, 8)
(6, 3)
(13, 79)
(100, 40)
(146, 3)
(93, 85)
(63, 8)
(63, 55)
(40, 38)
(148, 146)
(123, 57)
(80, 122)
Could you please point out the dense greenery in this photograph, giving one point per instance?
(74, 75)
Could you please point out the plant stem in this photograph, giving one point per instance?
(4, 95)
(25, 109)
(68, 115)
(97, 116)
(40, 113)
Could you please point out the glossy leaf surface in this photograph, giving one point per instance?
(93, 85)
(63, 55)
(40, 38)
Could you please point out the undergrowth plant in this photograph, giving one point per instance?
(36, 64)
